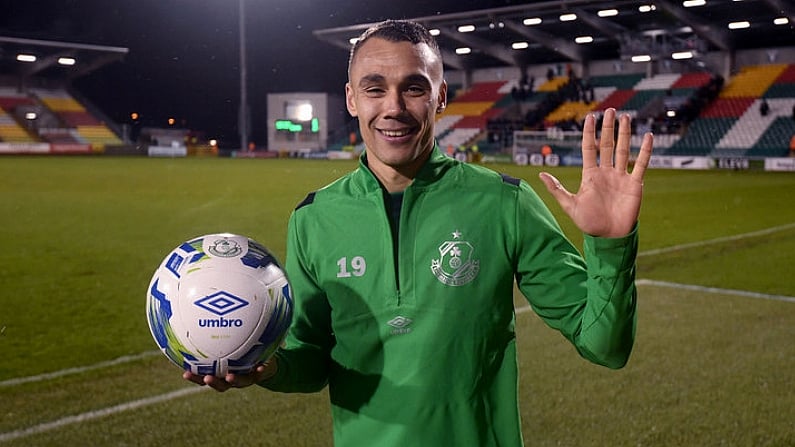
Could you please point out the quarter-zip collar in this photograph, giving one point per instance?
(433, 169)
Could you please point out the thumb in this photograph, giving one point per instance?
(558, 191)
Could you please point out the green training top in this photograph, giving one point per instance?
(425, 354)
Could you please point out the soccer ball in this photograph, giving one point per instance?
(219, 303)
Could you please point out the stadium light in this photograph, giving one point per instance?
(607, 13)
(568, 17)
(466, 28)
(22, 57)
(520, 45)
(647, 8)
(682, 55)
(435, 31)
(463, 50)
(740, 25)
(583, 39)
(532, 21)
(641, 58)
(693, 3)
(66, 61)
(780, 21)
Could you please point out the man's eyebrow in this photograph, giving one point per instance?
(376, 78)
(418, 79)
(371, 79)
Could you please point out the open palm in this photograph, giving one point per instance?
(608, 201)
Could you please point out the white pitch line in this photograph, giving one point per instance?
(78, 370)
(125, 359)
(83, 417)
(742, 293)
(719, 240)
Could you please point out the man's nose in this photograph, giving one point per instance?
(395, 104)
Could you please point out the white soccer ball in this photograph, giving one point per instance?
(219, 303)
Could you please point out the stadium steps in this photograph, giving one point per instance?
(616, 100)
(621, 82)
(482, 92)
(477, 121)
(751, 126)
(570, 110)
(602, 93)
(458, 137)
(88, 129)
(701, 137)
(729, 107)
(78, 118)
(467, 115)
(752, 81)
(11, 131)
(467, 108)
(552, 85)
(641, 98)
(657, 82)
(98, 137)
(445, 123)
(692, 80)
(775, 141)
(787, 76)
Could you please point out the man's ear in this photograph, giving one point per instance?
(441, 100)
(349, 100)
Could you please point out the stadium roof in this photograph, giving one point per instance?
(538, 32)
(27, 58)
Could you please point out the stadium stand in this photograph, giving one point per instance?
(710, 119)
(40, 109)
(466, 117)
(59, 119)
(11, 129)
(73, 115)
(733, 124)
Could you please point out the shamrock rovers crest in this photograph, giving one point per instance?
(455, 266)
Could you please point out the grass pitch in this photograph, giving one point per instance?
(82, 237)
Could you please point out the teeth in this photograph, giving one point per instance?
(395, 133)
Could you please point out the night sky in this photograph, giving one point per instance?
(184, 62)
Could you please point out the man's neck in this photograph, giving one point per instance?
(396, 179)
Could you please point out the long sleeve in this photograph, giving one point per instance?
(590, 299)
(304, 360)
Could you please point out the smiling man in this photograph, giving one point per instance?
(403, 270)
(396, 89)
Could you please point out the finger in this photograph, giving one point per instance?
(589, 142)
(239, 380)
(606, 139)
(216, 383)
(558, 191)
(198, 380)
(623, 143)
(643, 157)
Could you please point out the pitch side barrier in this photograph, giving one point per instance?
(44, 148)
(555, 147)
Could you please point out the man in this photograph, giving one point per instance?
(403, 270)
